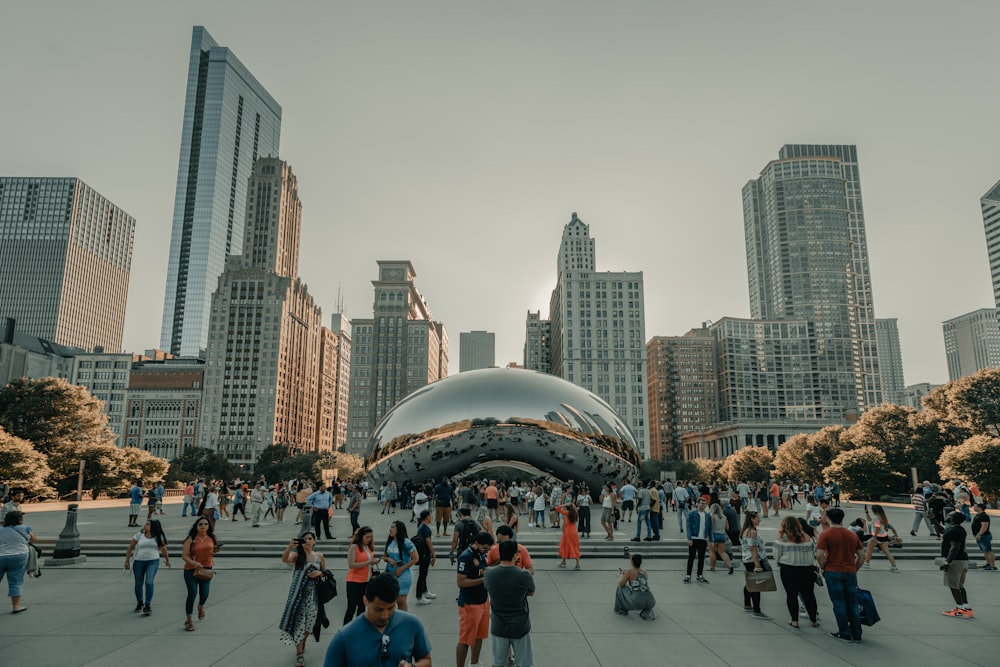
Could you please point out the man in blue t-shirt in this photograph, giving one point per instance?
(383, 635)
(135, 504)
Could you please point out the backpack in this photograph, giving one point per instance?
(467, 534)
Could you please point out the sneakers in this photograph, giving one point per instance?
(959, 613)
(423, 601)
(428, 594)
(761, 615)
(989, 568)
(894, 569)
(747, 607)
(868, 565)
(913, 533)
(147, 610)
(702, 579)
(138, 607)
(687, 579)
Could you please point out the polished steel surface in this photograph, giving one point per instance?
(502, 414)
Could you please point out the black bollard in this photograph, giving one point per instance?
(67, 549)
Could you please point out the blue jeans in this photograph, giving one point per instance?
(202, 588)
(13, 567)
(843, 590)
(642, 516)
(682, 517)
(144, 572)
(184, 510)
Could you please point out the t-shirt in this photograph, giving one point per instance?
(472, 564)
(421, 539)
(508, 588)
(955, 534)
(521, 560)
(14, 540)
(628, 492)
(392, 551)
(775, 490)
(642, 499)
(443, 494)
(146, 548)
(977, 523)
(359, 643)
(840, 546)
(135, 495)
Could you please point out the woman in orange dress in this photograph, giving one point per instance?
(569, 545)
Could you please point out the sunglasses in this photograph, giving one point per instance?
(384, 651)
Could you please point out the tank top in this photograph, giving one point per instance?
(360, 575)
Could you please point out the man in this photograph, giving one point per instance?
(699, 529)
(442, 506)
(354, 508)
(508, 588)
(627, 494)
(257, 505)
(464, 534)
(12, 505)
(199, 491)
(321, 500)
(383, 635)
(656, 501)
(982, 535)
(835, 492)
(473, 602)
(492, 494)
(643, 506)
(425, 549)
(935, 510)
(522, 558)
(840, 555)
(161, 491)
(956, 565)
(4, 490)
(134, 504)
(919, 502)
(732, 525)
(743, 489)
(680, 502)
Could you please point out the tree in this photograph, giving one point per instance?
(53, 415)
(863, 473)
(974, 402)
(139, 464)
(21, 465)
(352, 466)
(747, 463)
(202, 463)
(804, 456)
(276, 463)
(700, 469)
(102, 469)
(975, 460)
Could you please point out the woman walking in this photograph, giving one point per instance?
(302, 605)
(360, 561)
(143, 556)
(199, 547)
(608, 512)
(510, 518)
(400, 554)
(281, 502)
(583, 507)
(633, 592)
(569, 545)
(880, 528)
(718, 541)
(754, 560)
(795, 554)
(15, 540)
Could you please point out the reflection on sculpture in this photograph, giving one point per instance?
(502, 414)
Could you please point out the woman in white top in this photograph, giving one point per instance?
(608, 500)
(15, 540)
(796, 556)
(583, 506)
(419, 503)
(143, 556)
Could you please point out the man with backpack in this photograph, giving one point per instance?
(464, 534)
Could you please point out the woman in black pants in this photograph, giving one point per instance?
(795, 553)
(360, 560)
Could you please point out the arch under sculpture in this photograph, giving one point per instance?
(503, 415)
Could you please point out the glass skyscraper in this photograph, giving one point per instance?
(229, 121)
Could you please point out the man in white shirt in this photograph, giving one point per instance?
(680, 502)
(699, 529)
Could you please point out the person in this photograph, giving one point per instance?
(840, 555)
(835, 492)
(143, 555)
(936, 503)
(508, 588)
(681, 505)
(492, 494)
(383, 635)
(607, 512)
(981, 533)
(717, 546)
(239, 503)
(569, 545)
(302, 608)
(354, 507)
(301, 495)
(199, 547)
(151, 502)
(538, 507)
(281, 501)
(134, 505)
(628, 494)
(633, 592)
(699, 527)
(464, 533)
(420, 503)
(774, 493)
(321, 501)
(442, 505)
(428, 557)
(473, 601)
(15, 540)
(919, 502)
(956, 565)
(400, 554)
(12, 505)
(643, 506)
(256, 504)
(880, 528)
(522, 559)
(360, 565)
(583, 507)
(510, 516)
(188, 499)
(754, 560)
(795, 554)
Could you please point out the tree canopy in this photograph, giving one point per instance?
(749, 463)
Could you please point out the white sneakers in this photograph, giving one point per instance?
(428, 594)
(423, 601)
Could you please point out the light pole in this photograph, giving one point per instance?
(79, 482)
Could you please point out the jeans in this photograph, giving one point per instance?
(354, 521)
(583, 524)
(202, 588)
(922, 516)
(423, 567)
(321, 519)
(697, 547)
(843, 590)
(656, 519)
(188, 503)
(13, 567)
(144, 572)
(641, 517)
(540, 518)
(682, 517)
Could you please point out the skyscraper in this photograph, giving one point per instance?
(229, 121)
(807, 259)
(65, 259)
(334, 383)
(476, 349)
(395, 352)
(537, 343)
(890, 360)
(971, 342)
(990, 204)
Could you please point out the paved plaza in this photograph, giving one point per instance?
(82, 614)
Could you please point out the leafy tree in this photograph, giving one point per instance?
(53, 415)
(749, 463)
(21, 465)
(974, 402)
(102, 469)
(202, 463)
(139, 464)
(975, 460)
(700, 469)
(938, 411)
(352, 466)
(804, 456)
(863, 473)
(275, 463)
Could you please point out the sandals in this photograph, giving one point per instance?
(300, 660)
(201, 613)
(188, 625)
(794, 624)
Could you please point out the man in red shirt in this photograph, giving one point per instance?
(841, 554)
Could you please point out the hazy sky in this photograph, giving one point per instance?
(463, 135)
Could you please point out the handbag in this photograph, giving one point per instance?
(326, 587)
(761, 582)
(866, 604)
(203, 573)
(819, 576)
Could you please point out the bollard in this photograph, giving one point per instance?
(67, 549)
(306, 520)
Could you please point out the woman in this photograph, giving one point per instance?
(569, 545)
(583, 507)
(510, 518)
(143, 554)
(300, 500)
(718, 541)
(539, 507)
(813, 512)
(224, 500)
(400, 555)
(302, 606)
(608, 512)
(197, 551)
(633, 591)
(754, 559)
(210, 505)
(420, 503)
(795, 554)
(880, 537)
(281, 502)
(15, 540)
(360, 561)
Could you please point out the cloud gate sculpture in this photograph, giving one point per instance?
(502, 416)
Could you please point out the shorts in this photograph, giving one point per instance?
(718, 538)
(775, 501)
(299, 505)
(881, 539)
(628, 505)
(985, 543)
(492, 503)
(954, 576)
(606, 515)
(473, 623)
(523, 655)
(134, 508)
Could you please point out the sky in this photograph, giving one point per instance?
(463, 136)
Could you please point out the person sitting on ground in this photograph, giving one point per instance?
(633, 592)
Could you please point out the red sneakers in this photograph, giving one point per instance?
(959, 613)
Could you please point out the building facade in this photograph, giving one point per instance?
(395, 352)
(65, 261)
(990, 205)
(913, 395)
(890, 360)
(106, 377)
(23, 356)
(972, 342)
(229, 121)
(537, 343)
(476, 349)
(163, 406)
(334, 384)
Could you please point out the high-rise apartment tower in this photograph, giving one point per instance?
(890, 360)
(476, 349)
(971, 342)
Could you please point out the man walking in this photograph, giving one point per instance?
(627, 494)
(134, 504)
(981, 533)
(354, 508)
(509, 587)
(840, 555)
(473, 602)
(321, 501)
(699, 528)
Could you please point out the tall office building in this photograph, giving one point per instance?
(65, 259)
(890, 360)
(395, 352)
(334, 383)
(476, 349)
(537, 343)
(229, 121)
(972, 342)
(262, 362)
(807, 259)
(990, 204)
(598, 330)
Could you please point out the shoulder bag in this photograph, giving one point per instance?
(326, 587)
